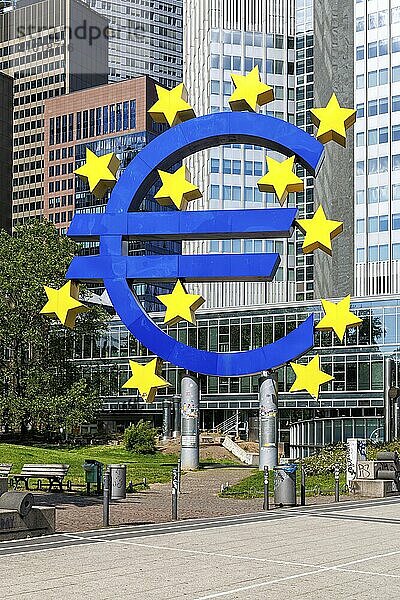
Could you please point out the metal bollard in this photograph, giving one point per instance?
(303, 487)
(174, 494)
(337, 489)
(266, 488)
(106, 499)
(179, 475)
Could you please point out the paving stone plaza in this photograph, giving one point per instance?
(207, 403)
(340, 552)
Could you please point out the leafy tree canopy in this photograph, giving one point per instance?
(39, 387)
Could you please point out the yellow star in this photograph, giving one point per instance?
(146, 378)
(180, 305)
(309, 377)
(250, 92)
(338, 317)
(332, 121)
(63, 304)
(177, 189)
(280, 179)
(99, 171)
(319, 232)
(172, 106)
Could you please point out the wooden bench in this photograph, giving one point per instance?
(5, 469)
(53, 473)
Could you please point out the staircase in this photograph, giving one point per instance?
(229, 426)
(248, 458)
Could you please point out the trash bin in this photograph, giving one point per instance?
(93, 474)
(285, 485)
(118, 481)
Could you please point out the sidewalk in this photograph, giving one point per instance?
(199, 499)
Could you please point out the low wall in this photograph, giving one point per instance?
(374, 488)
(39, 521)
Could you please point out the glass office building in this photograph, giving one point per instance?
(220, 39)
(304, 86)
(324, 65)
(377, 152)
(355, 396)
(145, 38)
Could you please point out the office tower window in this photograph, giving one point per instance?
(132, 114)
(98, 121)
(396, 221)
(118, 113)
(396, 162)
(105, 119)
(396, 251)
(78, 125)
(126, 115)
(396, 191)
(91, 122)
(360, 226)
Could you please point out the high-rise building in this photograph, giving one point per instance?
(304, 92)
(108, 118)
(145, 38)
(334, 187)
(50, 48)
(227, 37)
(377, 151)
(6, 128)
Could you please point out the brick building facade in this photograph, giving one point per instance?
(108, 118)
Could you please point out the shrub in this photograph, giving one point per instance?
(325, 460)
(141, 438)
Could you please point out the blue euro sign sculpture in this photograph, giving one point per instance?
(119, 223)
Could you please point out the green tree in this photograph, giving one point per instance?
(36, 376)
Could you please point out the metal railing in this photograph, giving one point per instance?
(230, 425)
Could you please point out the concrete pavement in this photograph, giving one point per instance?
(347, 551)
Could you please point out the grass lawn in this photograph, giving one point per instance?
(253, 486)
(155, 467)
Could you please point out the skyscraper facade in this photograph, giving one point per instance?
(227, 37)
(333, 58)
(377, 151)
(145, 38)
(304, 92)
(50, 48)
(6, 128)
